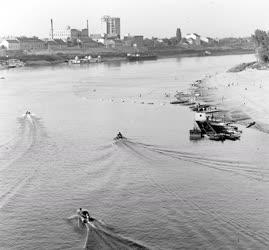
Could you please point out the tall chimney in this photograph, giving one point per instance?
(88, 26)
(51, 27)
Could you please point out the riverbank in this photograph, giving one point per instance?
(214, 51)
(47, 59)
(251, 65)
(243, 96)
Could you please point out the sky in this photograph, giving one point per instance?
(158, 18)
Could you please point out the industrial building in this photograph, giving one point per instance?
(56, 44)
(68, 33)
(23, 43)
(31, 43)
(10, 44)
(133, 41)
(63, 34)
(112, 26)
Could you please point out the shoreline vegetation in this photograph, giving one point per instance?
(60, 58)
(250, 65)
(261, 46)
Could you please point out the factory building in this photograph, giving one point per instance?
(10, 44)
(112, 26)
(68, 34)
(31, 43)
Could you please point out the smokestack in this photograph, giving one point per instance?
(88, 26)
(51, 27)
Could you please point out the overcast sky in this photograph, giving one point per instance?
(215, 18)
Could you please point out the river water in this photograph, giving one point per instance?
(155, 190)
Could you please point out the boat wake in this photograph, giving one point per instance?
(102, 236)
(234, 167)
(17, 146)
(186, 207)
(15, 158)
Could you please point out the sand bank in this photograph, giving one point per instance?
(244, 94)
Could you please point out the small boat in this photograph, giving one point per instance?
(251, 124)
(188, 103)
(119, 137)
(86, 60)
(232, 136)
(195, 134)
(14, 63)
(87, 219)
(200, 107)
(11, 66)
(75, 61)
(216, 137)
(178, 102)
(140, 57)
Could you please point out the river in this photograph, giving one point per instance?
(155, 190)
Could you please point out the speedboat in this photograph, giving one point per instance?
(87, 220)
(119, 137)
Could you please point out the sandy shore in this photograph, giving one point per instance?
(245, 95)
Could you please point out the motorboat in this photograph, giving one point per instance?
(119, 137)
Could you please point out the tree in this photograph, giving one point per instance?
(261, 40)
